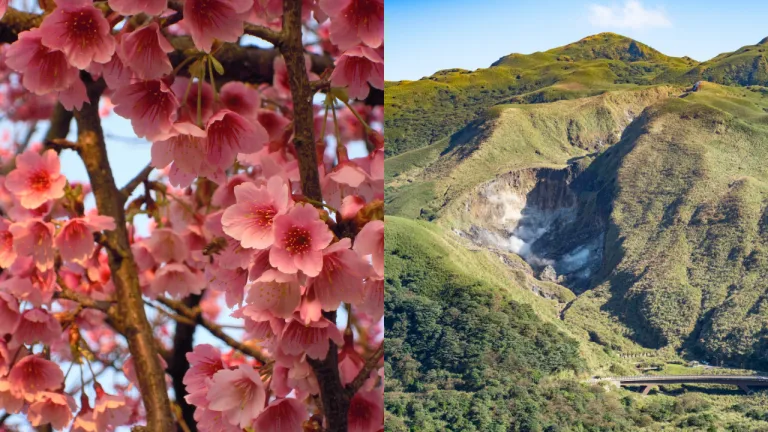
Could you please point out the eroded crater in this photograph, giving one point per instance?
(537, 214)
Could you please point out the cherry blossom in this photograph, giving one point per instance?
(356, 68)
(151, 107)
(354, 21)
(80, 31)
(231, 227)
(251, 219)
(36, 179)
(145, 51)
(300, 237)
(207, 20)
(43, 70)
(238, 393)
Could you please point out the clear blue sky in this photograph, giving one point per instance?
(424, 36)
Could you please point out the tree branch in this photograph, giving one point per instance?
(196, 315)
(370, 364)
(130, 314)
(15, 22)
(128, 189)
(334, 397)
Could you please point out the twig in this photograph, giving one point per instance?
(269, 35)
(215, 329)
(128, 189)
(365, 372)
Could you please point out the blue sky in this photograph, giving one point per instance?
(424, 36)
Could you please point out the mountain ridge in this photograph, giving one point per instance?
(422, 112)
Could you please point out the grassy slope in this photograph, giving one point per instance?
(685, 251)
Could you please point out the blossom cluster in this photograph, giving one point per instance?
(230, 223)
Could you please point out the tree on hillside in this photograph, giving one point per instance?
(265, 199)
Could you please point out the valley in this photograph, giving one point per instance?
(595, 210)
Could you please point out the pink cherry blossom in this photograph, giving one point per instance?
(300, 237)
(145, 50)
(370, 241)
(341, 279)
(43, 70)
(75, 239)
(135, 7)
(10, 401)
(274, 123)
(115, 73)
(238, 393)
(151, 107)
(251, 220)
(356, 68)
(282, 415)
(298, 376)
(366, 411)
(34, 374)
(228, 281)
(207, 20)
(353, 21)
(259, 264)
(52, 408)
(80, 31)
(36, 179)
(110, 411)
(240, 98)
(178, 280)
(350, 205)
(204, 362)
(373, 299)
(74, 96)
(225, 194)
(185, 150)
(34, 238)
(9, 313)
(188, 112)
(312, 339)
(36, 325)
(229, 133)
(7, 252)
(167, 246)
(276, 292)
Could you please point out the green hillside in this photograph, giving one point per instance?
(613, 220)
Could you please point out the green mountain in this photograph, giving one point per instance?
(589, 198)
(422, 112)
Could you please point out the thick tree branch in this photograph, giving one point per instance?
(334, 397)
(15, 22)
(130, 306)
(179, 365)
(241, 63)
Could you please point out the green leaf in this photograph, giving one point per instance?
(217, 65)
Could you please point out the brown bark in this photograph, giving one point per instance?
(130, 316)
(334, 398)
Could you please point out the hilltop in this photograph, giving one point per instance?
(420, 113)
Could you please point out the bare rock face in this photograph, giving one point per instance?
(548, 274)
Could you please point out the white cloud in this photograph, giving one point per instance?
(632, 15)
